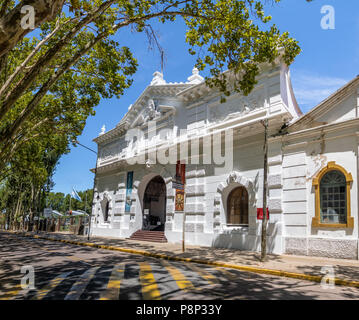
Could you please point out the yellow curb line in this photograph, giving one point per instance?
(273, 272)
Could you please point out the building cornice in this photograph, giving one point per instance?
(326, 105)
(327, 128)
(254, 127)
(113, 133)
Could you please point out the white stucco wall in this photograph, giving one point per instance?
(293, 161)
(302, 160)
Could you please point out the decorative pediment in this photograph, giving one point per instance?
(149, 106)
(103, 198)
(149, 113)
(338, 107)
(106, 197)
(236, 177)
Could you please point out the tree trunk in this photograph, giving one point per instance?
(11, 30)
(265, 184)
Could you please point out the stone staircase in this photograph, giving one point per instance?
(150, 236)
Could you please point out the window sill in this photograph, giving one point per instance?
(237, 225)
(317, 224)
(235, 229)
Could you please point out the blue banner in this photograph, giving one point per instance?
(128, 190)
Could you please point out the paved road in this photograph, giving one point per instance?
(69, 272)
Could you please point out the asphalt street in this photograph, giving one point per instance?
(70, 272)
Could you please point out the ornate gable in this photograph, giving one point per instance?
(338, 107)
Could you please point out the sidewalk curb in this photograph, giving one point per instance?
(279, 273)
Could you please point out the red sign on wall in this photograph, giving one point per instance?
(180, 179)
(260, 214)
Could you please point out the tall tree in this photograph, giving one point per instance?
(28, 177)
(53, 81)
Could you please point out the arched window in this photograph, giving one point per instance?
(107, 209)
(332, 197)
(237, 207)
(333, 202)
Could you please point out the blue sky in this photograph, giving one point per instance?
(328, 60)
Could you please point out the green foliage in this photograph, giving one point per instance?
(65, 78)
(51, 81)
(28, 178)
(61, 202)
(232, 40)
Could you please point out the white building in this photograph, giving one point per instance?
(312, 177)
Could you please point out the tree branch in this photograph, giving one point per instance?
(9, 133)
(4, 7)
(39, 66)
(22, 66)
(11, 31)
(3, 66)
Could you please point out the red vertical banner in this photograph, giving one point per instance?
(260, 214)
(180, 177)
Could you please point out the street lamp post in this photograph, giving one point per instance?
(93, 188)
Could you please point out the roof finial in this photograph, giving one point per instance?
(157, 79)
(195, 78)
(103, 129)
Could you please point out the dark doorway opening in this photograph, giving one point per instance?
(154, 205)
(237, 207)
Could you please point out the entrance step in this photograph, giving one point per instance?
(150, 236)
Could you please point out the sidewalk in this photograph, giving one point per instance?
(309, 268)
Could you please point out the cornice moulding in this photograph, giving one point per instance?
(327, 104)
(331, 127)
(114, 163)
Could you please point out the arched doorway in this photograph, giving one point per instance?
(237, 207)
(105, 208)
(154, 205)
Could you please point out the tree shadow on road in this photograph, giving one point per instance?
(51, 259)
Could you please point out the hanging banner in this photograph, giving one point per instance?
(179, 183)
(260, 214)
(128, 190)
